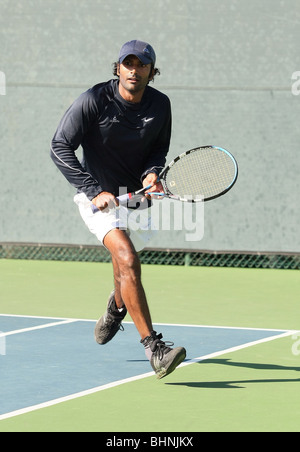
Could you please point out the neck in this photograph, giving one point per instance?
(135, 98)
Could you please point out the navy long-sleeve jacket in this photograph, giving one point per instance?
(121, 141)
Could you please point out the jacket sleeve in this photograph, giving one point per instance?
(68, 137)
(157, 158)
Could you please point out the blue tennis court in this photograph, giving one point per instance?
(46, 359)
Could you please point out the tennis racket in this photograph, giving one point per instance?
(200, 174)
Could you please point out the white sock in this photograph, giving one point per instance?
(148, 352)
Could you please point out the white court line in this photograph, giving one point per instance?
(23, 316)
(239, 347)
(73, 396)
(137, 377)
(37, 327)
(159, 324)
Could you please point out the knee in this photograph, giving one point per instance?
(128, 262)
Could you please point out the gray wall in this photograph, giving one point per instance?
(227, 67)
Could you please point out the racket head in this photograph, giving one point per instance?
(200, 174)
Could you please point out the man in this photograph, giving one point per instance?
(124, 128)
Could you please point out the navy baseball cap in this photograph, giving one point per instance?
(140, 49)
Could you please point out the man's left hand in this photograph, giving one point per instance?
(156, 186)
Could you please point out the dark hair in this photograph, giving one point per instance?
(155, 70)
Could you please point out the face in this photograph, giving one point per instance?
(134, 77)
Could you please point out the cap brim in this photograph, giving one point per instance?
(140, 56)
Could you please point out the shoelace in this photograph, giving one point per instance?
(110, 320)
(160, 347)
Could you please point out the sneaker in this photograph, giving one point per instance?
(163, 358)
(110, 323)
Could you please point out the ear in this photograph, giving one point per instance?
(151, 75)
(118, 69)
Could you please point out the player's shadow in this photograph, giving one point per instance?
(262, 366)
(238, 384)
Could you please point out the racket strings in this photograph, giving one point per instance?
(201, 173)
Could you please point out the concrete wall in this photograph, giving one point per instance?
(227, 66)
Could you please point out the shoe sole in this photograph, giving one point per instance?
(164, 371)
(98, 337)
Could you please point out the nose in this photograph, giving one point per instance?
(133, 68)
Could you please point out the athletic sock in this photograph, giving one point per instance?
(147, 344)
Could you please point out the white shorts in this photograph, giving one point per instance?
(137, 223)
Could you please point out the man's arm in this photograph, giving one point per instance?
(157, 158)
(68, 137)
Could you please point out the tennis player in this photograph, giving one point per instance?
(124, 128)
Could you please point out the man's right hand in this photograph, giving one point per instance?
(104, 200)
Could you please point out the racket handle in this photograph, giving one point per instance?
(123, 199)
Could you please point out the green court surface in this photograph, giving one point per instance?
(251, 388)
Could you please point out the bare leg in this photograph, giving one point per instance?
(117, 280)
(128, 285)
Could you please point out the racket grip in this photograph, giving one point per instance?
(122, 200)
